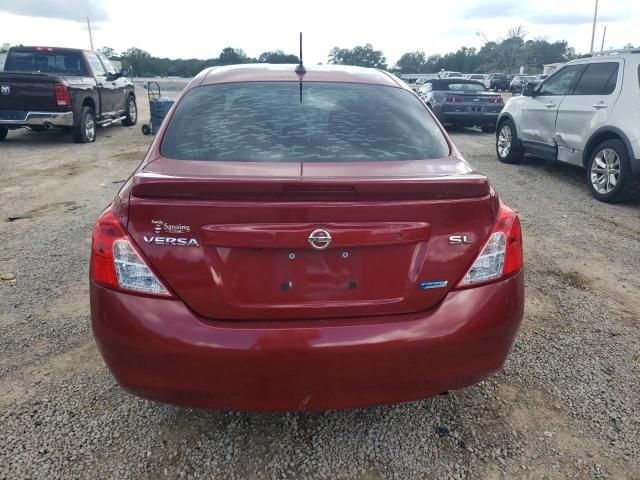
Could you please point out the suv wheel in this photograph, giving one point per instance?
(85, 131)
(131, 113)
(507, 145)
(609, 173)
(4, 131)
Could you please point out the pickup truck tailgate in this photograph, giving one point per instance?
(27, 92)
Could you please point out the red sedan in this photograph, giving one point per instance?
(303, 241)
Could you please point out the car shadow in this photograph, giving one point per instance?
(28, 137)
(466, 130)
(573, 174)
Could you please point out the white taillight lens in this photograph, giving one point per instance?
(117, 264)
(490, 263)
(132, 272)
(501, 255)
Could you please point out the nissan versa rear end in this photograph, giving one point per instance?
(301, 241)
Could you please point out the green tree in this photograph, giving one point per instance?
(107, 52)
(360, 56)
(232, 56)
(412, 62)
(277, 56)
(141, 62)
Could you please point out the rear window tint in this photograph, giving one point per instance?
(598, 79)
(62, 63)
(279, 122)
(465, 86)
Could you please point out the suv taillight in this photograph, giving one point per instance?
(117, 263)
(62, 96)
(501, 255)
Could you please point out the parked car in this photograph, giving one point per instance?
(475, 76)
(302, 242)
(63, 88)
(498, 82)
(461, 102)
(519, 81)
(445, 74)
(587, 114)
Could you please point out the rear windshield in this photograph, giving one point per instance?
(282, 121)
(466, 86)
(61, 63)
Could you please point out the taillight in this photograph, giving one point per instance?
(449, 99)
(454, 99)
(496, 100)
(458, 99)
(62, 96)
(501, 255)
(116, 262)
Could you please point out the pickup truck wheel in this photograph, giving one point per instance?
(85, 131)
(609, 173)
(131, 112)
(507, 144)
(3, 133)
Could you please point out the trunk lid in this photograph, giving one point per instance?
(472, 102)
(27, 92)
(389, 224)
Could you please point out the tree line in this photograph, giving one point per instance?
(506, 54)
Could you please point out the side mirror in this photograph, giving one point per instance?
(529, 90)
(124, 72)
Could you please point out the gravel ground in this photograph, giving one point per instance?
(566, 404)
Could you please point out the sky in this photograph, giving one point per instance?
(201, 29)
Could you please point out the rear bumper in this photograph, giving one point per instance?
(160, 350)
(26, 119)
(470, 119)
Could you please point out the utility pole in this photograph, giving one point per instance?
(603, 37)
(593, 33)
(90, 36)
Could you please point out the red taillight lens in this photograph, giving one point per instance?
(62, 96)
(498, 100)
(458, 99)
(501, 255)
(117, 263)
(449, 99)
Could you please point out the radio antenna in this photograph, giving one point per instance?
(300, 68)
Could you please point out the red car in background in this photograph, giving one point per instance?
(302, 241)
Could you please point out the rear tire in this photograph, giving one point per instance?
(609, 173)
(507, 143)
(131, 112)
(85, 131)
(4, 131)
(488, 129)
(146, 130)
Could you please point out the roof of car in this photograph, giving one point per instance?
(263, 72)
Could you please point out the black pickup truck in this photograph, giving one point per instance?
(64, 88)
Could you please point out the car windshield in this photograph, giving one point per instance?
(467, 86)
(314, 121)
(56, 62)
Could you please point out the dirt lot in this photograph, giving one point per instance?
(567, 404)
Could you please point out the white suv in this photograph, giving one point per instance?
(588, 114)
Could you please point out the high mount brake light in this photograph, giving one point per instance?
(116, 262)
(501, 255)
